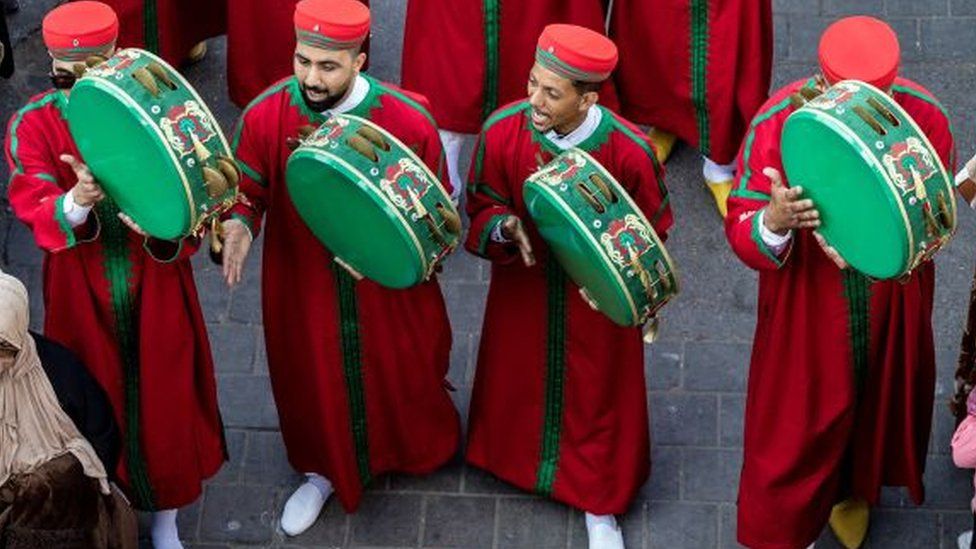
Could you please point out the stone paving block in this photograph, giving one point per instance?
(673, 525)
(946, 486)
(683, 419)
(805, 38)
(211, 291)
(731, 419)
(665, 473)
(710, 475)
(233, 347)
(477, 481)
(461, 266)
(953, 524)
(908, 38)
(261, 355)
(941, 39)
(461, 360)
(781, 36)
(246, 401)
(466, 305)
(230, 472)
(662, 365)
(445, 479)
(917, 8)
(330, 530)
(531, 524)
(916, 528)
(386, 519)
(841, 8)
(188, 520)
(790, 7)
(266, 461)
(459, 521)
(943, 426)
(242, 514)
(963, 7)
(245, 301)
(716, 366)
(727, 527)
(631, 524)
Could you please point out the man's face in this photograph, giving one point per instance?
(554, 100)
(63, 72)
(325, 75)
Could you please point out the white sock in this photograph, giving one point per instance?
(452, 142)
(594, 520)
(320, 482)
(717, 172)
(164, 533)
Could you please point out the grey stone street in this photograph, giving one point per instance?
(696, 372)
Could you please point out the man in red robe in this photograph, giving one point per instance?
(260, 42)
(696, 70)
(357, 369)
(173, 29)
(471, 56)
(566, 415)
(843, 368)
(125, 304)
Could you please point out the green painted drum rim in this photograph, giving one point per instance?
(325, 147)
(535, 189)
(844, 122)
(196, 205)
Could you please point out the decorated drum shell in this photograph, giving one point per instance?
(372, 202)
(601, 238)
(885, 199)
(145, 148)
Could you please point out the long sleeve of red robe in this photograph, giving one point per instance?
(260, 45)
(169, 28)
(843, 370)
(559, 404)
(472, 56)
(357, 369)
(135, 322)
(699, 69)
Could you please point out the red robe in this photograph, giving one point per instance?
(559, 404)
(358, 370)
(843, 370)
(260, 45)
(169, 28)
(133, 320)
(698, 69)
(471, 56)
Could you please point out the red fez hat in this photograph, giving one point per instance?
(860, 48)
(331, 24)
(75, 30)
(576, 53)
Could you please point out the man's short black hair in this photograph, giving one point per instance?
(586, 87)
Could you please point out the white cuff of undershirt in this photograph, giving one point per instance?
(961, 178)
(75, 214)
(776, 242)
(496, 234)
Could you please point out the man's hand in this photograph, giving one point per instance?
(786, 210)
(237, 244)
(86, 191)
(830, 251)
(513, 229)
(132, 225)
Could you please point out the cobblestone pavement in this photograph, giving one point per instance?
(695, 374)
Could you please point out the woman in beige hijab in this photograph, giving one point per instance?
(53, 488)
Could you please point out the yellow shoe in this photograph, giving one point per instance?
(197, 53)
(720, 191)
(663, 143)
(849, 522)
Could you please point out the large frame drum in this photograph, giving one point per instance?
(152, 144)
(372, 202)
(886, 202)
(601, 238)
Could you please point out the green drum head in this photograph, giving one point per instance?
(108, 135)
(356, 223)
(859, 216)
(575, 251)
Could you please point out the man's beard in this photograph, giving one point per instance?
(331, 99)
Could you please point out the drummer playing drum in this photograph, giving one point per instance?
(125, 303)
(843, 368)
(543, 349)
